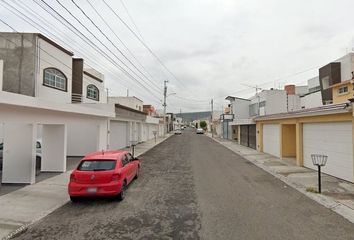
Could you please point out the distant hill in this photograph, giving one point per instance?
(191, 116)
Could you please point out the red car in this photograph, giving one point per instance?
(105, 173)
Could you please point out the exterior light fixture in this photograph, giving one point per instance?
(319, 161)
(133, 144)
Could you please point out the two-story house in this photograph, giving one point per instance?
(36, 81)
(266, 102)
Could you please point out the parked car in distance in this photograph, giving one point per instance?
(200, 131)
(182, 127)
(104, 173)
(38, 154)
(178, 132)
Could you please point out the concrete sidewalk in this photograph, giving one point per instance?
(337, 194)
(27, 205)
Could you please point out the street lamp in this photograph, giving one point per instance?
(319, 161)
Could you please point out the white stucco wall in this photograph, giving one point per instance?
(42, 115)
(1, 132)
(131, 102)
(79, 132)
(240, 108)
(311, 100)
(300, 90)
(277, 101)
(152, 120)
(1, 73)
(87, 80)
(50, 56)
(313, 82)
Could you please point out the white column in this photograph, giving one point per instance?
(19, 153)
(131, 132)
(102, 135)
(135, 136)
(54, 148)
(1, 73)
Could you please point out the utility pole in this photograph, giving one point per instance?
(211, 118)
(164, 106)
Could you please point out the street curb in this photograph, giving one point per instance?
(24, 227)
(337, 207)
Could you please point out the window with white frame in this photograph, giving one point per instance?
(343, 90)
(93, 92)
(54, 78)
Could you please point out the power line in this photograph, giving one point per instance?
(99, 29)
(87, 41)
(265, 83)
(33, 23)
(104, 45)
(13, 29)
(189, 99)
(126, 47)
(131, 19)
(92, 44)
(143, 43)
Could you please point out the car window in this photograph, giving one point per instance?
(97, 165)
(125, 160)
(130, 157)
(38, 145)
(1, 146)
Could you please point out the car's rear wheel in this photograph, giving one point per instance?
(121, 195)
(74, 199)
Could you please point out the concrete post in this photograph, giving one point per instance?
(102, 135)
(19, 153)
(299, 145)
(54, 148)
(259, 129)
(239, 134)
(1, 73)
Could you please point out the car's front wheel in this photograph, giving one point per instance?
(137, 173)
(121, 195)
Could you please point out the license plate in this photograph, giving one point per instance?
(91, 190)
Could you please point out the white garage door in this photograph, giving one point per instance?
(118, 135)
(334, 140)
(271, 141)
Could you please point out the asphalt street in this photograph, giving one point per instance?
(191, 187)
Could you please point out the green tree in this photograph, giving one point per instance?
(203, 124)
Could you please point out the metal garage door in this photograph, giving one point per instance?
(252, 136)
(118, 135)
(331, 139)
(248, 135)
(271, 141)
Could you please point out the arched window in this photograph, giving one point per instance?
(54, 78)
(93, 92)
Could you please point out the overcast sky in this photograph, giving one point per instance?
(213, 47)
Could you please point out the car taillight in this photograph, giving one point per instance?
(115, 177)
(72, 178)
